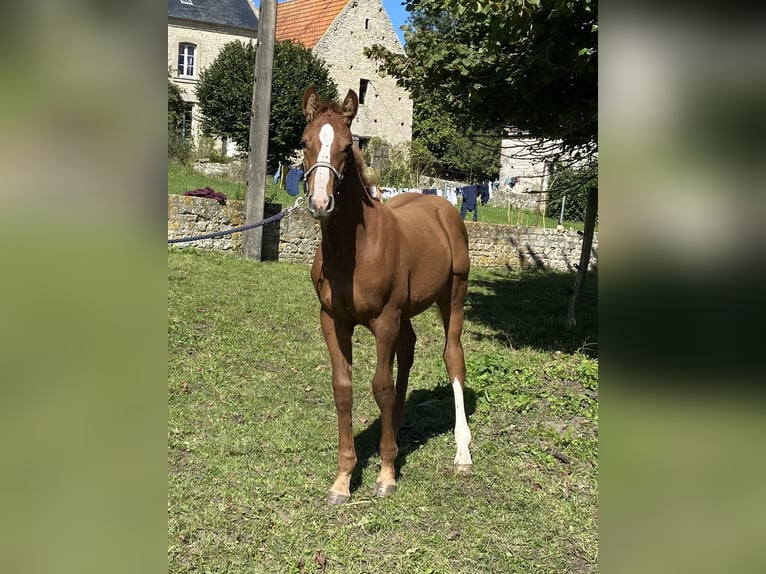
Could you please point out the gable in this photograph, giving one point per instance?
(306, 21)
(233, 13)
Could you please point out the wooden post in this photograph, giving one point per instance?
(587, 241)
(259, 129)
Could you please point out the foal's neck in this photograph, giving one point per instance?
(354, 203)
(353, 218)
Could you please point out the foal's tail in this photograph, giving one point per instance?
(454, 227)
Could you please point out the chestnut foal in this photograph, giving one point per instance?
(378, 265)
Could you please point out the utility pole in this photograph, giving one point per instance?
(259, 129)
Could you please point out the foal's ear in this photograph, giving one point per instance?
(310, 103)
(350, 105)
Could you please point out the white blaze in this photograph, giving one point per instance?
(322, 191)
(462, 432)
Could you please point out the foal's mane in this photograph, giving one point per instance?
(324, 107)
(328, 108)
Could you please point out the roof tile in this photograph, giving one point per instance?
(235, 13)
(306, 21)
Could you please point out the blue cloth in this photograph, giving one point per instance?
(469, 201)
(484, 193)
(429, 192)
(469, 197)
(278, 173)
(292, 179)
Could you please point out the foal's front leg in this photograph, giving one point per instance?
(338, 339)
(386, 331)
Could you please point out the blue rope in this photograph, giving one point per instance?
(271, 219)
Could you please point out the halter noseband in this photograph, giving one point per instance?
(328, 165)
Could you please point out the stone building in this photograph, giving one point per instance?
(337, 31)
(526, 164)
(197, 30)
(527, 168)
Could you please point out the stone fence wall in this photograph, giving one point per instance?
(295, 238)
(189, 216)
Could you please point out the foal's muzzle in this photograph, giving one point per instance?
(320, 211)
(321, 207)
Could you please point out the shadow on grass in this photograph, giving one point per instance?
(529, 310)
(427, 413)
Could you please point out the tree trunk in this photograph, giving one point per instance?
(587, 241)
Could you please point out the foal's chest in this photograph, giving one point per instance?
(349, 298)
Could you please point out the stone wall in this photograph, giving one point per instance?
(494, 245)
(189, 216)
(521, 198)
(236, 169)
(299, 237)
(295, 238)
(387, 108)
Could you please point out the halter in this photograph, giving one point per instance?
(338, 175)
(328, 165)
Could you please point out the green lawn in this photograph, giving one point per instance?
(182, 178)
(519, 217)
(252, 432)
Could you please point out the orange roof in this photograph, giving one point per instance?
(306, 21)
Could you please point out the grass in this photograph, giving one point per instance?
(182, 178)
(518, 217)
(252, 432)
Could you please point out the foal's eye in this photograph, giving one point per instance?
(304, 144)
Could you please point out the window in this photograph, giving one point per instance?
(366, 23)
(363, 90)
(186, 121)
(186, 60)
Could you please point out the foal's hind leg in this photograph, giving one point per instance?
(405, 356)
(451, 308)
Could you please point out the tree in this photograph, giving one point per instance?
(225, 92)
(531, 64)
(460, 153)
(398, 165)
(179, 142)
(528, 64)
(295, 69)
(572, 183)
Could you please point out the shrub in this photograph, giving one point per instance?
(180, 145)
(572, 183)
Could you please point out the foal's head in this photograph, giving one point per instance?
(326, 145)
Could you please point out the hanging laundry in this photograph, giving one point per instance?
(469, 193)
(450, 195)
(292, 179)
(484, 193)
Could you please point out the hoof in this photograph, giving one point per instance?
(336, 498)
(383, 490)
(463, 469)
